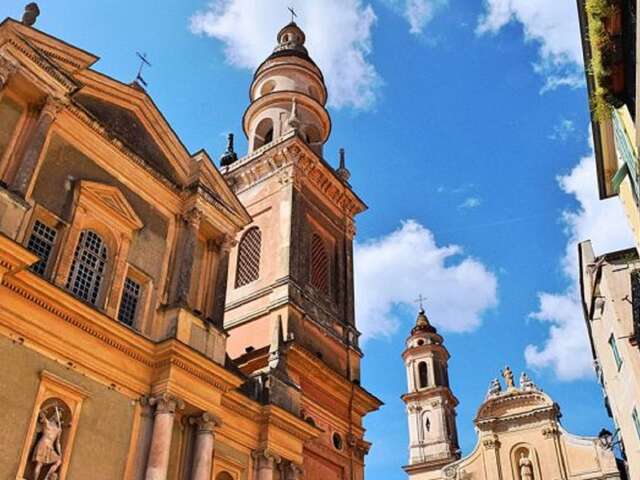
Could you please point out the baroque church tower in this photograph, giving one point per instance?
(290, 294)
(433, 438)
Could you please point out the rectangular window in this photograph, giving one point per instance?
(636, 420)
(129, 302)
(41, 243)
(614, 350)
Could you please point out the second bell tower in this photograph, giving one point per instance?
(433, 437)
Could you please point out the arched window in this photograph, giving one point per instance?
(263, 133)
(319, 264)
(248, 267)
(224, 476)
(422, 375)
(87, 269)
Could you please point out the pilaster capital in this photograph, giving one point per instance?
(145, 406)
(294, 471)
(53, 106)
(491, 443)
(8, 67)
(551, 431)
(266, 455)
(166, 403)
(205, 423)
(193, 217)
(227, 242)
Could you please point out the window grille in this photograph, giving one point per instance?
(41, 243)
(129, 302)
(635, 303)
(87, 269)
(615, 351)
(248, 267)
(636, 420)
(319, 265)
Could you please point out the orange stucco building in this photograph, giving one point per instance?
(161, 318)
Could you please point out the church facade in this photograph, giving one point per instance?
(160, 318)
(519, 432)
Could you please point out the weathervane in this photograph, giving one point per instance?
(143, 62)
(293, 14)
(420, 300)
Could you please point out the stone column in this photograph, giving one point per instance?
(158, 461)
(203, 449)
(184, 266)
(266, 464)
(28, 162)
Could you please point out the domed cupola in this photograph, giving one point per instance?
(288, 94)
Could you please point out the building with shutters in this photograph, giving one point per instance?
(520, 436)
(161, 318)
(610, 282)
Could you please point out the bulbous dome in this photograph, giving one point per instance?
(288, 94)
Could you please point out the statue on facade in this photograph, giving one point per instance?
(494, 388)
(525, 382)
(48, 449)
(526, 467)
(508, 378)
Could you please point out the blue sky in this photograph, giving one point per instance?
(469, 144)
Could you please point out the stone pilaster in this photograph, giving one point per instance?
(185, 258)
(144, 438)
(290, 471)
(28, 161)
(220, 294)
(203, 449)
(266, 464)
(158, 460)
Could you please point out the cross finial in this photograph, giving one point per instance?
(420, 300)
(293, 14)
(143, 62)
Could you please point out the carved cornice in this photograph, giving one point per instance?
(293, 162)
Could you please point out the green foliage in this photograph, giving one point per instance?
(598, 11)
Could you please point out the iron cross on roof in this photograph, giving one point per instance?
(420, 300)
(293, 14)
(143, 62)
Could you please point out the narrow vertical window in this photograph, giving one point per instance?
(248, 267)
(423, 380)
(615, 351)
(636, 421)
(129, 302)
(319, 264)
(41, 243)
(87, 269)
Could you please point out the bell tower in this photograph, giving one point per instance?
(433, 438)
(289, 309)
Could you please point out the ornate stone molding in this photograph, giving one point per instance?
(53, 106)
(166, 403)
(227, 242)
(266, 455)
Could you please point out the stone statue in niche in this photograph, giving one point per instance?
(48, 447)
(526, 467)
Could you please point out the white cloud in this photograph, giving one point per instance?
(418, 13)
(338, 38)
(563, 130)
(566, 349)
(392, 270)
(470, 203)
(552, 25)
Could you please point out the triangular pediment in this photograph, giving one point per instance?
(110, 201)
